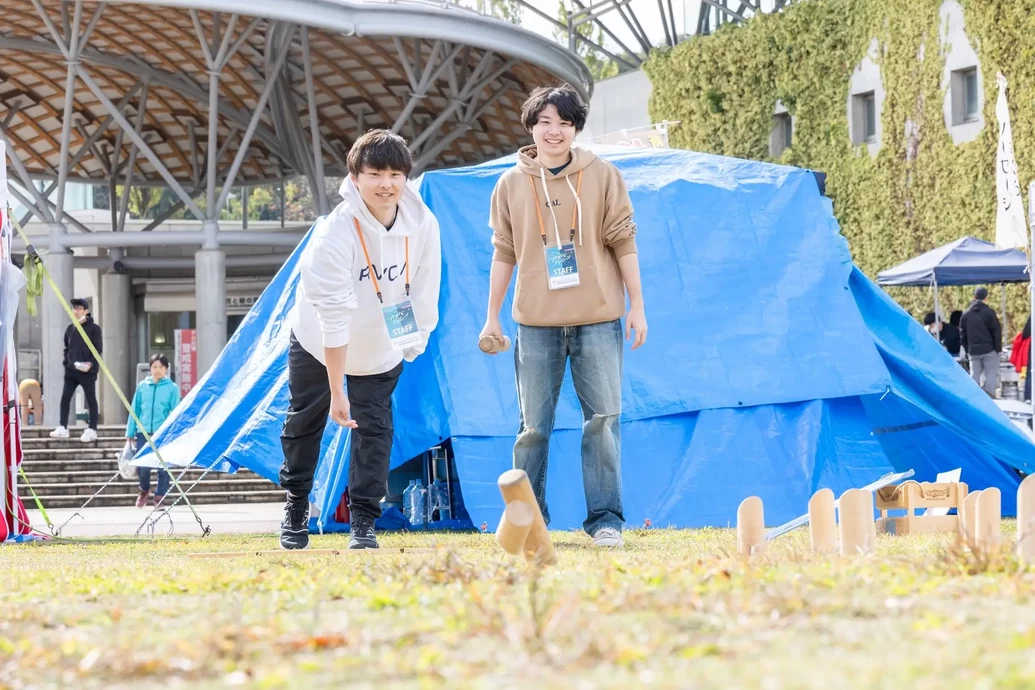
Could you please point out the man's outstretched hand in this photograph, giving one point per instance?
(636, 321)
(340, 411)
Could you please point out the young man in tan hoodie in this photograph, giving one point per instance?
(564, 218)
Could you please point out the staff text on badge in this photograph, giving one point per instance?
(562, 268)
(401, 325)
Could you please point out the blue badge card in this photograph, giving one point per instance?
(562, 268)
(401, 324)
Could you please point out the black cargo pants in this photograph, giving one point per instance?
(370, 398)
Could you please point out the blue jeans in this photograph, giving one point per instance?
(540, 357)
(144, 473)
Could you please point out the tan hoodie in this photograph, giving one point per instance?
(603, 232)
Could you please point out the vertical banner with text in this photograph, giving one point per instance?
(186, 343)
(1011, 232)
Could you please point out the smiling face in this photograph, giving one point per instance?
(381, 189)
(552, 134)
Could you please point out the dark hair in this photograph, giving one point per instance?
(929, 318)
(564, 97)
(79, 302)
(981, 294)
(380, 149)
(955, 317)
(159, 358)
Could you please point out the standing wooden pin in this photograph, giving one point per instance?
(988, 529)
(750, 527)
(1026, 520)
(823, 522)
(969, 521)
(858, 529)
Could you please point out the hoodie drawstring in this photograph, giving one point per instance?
(546, 192)
(575, 215)
(578, 203)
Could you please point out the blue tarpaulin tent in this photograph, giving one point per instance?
(967, 261)
(774, 367)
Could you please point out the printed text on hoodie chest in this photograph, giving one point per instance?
(391, 273)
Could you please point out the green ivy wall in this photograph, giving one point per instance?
(723, 89)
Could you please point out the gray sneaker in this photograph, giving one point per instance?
(608, 537)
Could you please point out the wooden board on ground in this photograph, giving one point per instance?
(311, 552)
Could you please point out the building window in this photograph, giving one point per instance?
(966, 97)
(783, 133)
(864, 119)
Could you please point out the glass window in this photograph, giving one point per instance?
(869, 117)
(161, 331)
(788, 130)
(970, 89)
(783, 131)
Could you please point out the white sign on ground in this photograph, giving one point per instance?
(1010, 228)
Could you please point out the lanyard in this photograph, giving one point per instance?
(539, 212)
(370, 266)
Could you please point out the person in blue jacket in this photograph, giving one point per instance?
(156, 397)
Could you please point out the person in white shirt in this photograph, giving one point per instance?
(367, 299)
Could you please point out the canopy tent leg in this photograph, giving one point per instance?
(1031, 283)
(937, 304)
(1006, 323)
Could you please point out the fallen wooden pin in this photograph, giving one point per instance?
(312, 552)
(518, 532)
(751, 527)
(912, 496)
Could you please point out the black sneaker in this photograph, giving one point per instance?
(294, 529)
(361, 534)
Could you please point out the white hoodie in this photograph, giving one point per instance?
(336, 303)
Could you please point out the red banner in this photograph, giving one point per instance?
(186, 340)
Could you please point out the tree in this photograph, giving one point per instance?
(507, 10)
(600, 65)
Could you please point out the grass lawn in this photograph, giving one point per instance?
(674, 609)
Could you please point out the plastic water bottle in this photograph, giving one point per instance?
(414, 503)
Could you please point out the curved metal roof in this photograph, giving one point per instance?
(449, 80)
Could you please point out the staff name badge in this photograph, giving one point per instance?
(401, 324)
(562, 268)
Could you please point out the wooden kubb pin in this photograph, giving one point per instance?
(522, 529)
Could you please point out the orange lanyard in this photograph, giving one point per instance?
(370, 266)
(539, 212)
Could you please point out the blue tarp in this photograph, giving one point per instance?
(774, 367)
(967, 261)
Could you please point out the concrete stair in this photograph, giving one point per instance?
(66, 472)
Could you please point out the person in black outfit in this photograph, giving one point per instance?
(80, 370)
(951, 333)
(948, 334)
(982, 337)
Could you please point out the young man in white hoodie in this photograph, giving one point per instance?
(367, 299)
